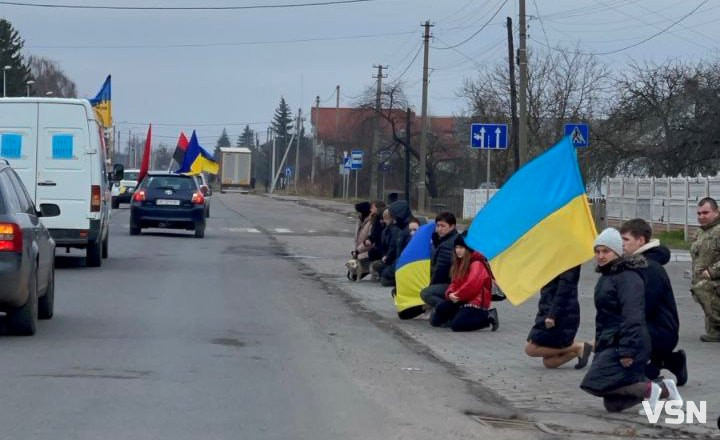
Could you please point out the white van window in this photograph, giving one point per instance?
(11, 145)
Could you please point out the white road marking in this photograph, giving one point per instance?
(283, 231)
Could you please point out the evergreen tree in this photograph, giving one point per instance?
(282, 122)
(11, 55)
(223, 142)
(247, 138)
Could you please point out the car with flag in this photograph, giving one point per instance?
(169, 201)
(27, 256)
(123, 190)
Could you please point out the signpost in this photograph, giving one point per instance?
(347, 166)
(488, 137)
(356, 163)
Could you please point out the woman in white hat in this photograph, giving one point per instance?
(622, 343)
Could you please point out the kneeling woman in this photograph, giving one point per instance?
(467, 300)
(553, 335)
(622, 343)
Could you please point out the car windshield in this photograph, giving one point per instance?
(169, 182)
(130, 175)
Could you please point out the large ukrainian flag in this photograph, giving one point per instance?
(102, 103)
(412, 270)
(538, 225)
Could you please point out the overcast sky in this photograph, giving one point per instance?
(232, 69)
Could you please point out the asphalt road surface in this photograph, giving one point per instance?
(225, 337)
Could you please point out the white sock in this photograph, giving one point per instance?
(655, 392)
(672, 390)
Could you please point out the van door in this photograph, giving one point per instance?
(18, 140)
(64, 175)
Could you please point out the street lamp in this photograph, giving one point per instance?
(28, 83)
(5, 69)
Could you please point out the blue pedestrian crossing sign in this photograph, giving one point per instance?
(347, 163)
(289, 171)
(489, 136)
(579, 134)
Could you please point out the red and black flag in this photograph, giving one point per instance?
(180, 149)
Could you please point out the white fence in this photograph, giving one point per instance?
(670, 201)
(475, 199)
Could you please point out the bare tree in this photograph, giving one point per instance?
(49, 77)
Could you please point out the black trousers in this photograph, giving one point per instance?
(462, 318)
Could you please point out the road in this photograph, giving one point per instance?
(227, 337)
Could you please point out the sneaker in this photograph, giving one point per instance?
(655, 392)
(583, 359)
(673, 393)
(679, 367)
(494, 319)
(710, 338)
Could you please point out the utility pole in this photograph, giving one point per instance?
(376, 134)
(408, 114)
(315, 139)
(296, 171)
(423, 122)
(522, 63)
(513, 96)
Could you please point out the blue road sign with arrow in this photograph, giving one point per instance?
(489, 136)
(579, 134)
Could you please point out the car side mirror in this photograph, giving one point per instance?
(206, 190)
(49, 210)
(118, 172)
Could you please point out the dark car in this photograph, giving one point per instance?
(27, 256)
(167, 200)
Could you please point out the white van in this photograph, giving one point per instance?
(56, 147)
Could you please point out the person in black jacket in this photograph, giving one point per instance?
(553, 335)
(443, 240)
(660, 308)
(398, 239)
(622, 343)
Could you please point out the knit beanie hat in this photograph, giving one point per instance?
(460, 241)
(363, 208)
(610, 238)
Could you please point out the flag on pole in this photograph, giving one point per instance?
(145, 165)
(180, 149)
(197, 159)
(102, 104)
(537, 225)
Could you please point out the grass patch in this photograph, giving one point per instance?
(673, 239)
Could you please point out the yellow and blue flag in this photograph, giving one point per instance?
(102, 103)
(412, 270)
(197, 159)
(538, 225)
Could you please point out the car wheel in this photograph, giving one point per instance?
(199, 231)
(46, 303)
(134, 230)
(115, 204)
(23, 320)
(93, 257)
(105, 245)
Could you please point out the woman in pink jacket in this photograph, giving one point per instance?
(467, 300)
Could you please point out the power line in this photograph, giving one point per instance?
(630, 46)
(241, 43)
(542, 25)
(193, 124)
(478, 31)
(410, 64)
(184, 8)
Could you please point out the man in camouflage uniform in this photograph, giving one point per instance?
(706, 267)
